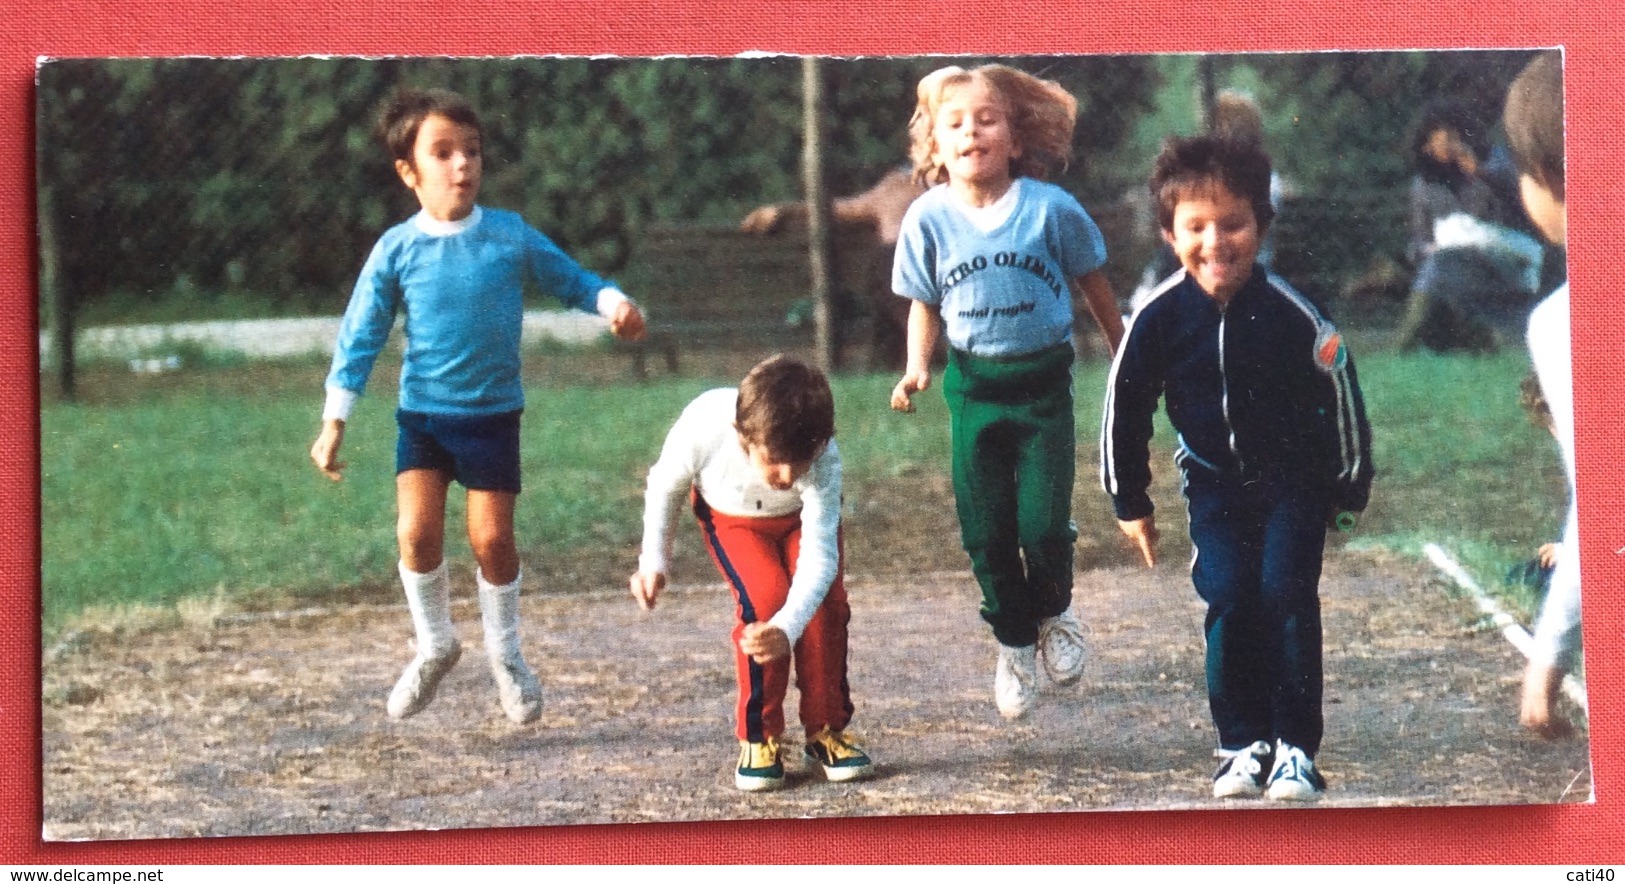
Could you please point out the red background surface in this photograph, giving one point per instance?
(1593, 32)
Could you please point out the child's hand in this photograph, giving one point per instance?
(646, 587)
(627, 323)
(764, 642)
(1144, 534)
(326, 450)
(912, 382)
(1547, 555)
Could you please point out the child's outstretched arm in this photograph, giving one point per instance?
(362, 332)
(1095, 290)
(817, 565)
(671, 479)
(922, 342)
(1132, 391)
(564, 278)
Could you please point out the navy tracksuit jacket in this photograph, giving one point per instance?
(1273, 441)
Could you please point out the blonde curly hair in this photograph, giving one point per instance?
(1042, 117)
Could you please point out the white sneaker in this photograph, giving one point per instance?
(416, 686)
(1015, 682)
(1294, 778)
(1241, 773)
(517, 689)
(1060, 646)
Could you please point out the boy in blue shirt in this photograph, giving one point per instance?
(1273, 446)
(456, 270)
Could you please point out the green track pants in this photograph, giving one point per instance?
(1014, 455)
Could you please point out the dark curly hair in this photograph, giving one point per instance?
(1186, 166)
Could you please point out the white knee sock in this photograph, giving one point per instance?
(428, 597)
(499, 614)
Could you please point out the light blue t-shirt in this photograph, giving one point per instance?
(459, 285)
(1003, 291)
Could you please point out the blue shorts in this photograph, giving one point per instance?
(481, 452)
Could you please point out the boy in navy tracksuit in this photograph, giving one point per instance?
(1273, 446)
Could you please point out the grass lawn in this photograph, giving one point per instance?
(197, 484)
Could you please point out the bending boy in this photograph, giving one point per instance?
(760, 468)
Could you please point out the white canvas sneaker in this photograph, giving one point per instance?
(416, 686)
(1060, 646)
(1015, 681)
(1294, 778)
(1241, 773)
(517, 689)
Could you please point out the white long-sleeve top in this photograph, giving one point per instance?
(703, 452)
(1557, 630)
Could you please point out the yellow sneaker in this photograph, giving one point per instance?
(760, 768)
(838, 753)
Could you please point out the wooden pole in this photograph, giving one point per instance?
(56, 296)
(818, 214)
(1209, 86)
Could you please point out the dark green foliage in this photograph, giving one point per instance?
(187, 177)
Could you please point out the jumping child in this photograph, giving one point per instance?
(1273, 445)
(1534, 127)
(999, 255)
(456, 270)
(760, 468)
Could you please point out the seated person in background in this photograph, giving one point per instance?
(1476, 275)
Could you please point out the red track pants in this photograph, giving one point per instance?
(757, 557)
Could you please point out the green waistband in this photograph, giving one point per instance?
(1013, 378)
(1049, 358)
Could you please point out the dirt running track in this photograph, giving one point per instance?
(277, 726)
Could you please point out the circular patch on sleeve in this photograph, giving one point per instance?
(1330, 354)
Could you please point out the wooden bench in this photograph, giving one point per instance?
(711, 285)
(716, 286)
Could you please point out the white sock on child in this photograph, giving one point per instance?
(517, 688)
(428, 597)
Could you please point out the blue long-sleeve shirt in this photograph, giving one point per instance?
(1262, 385)
(459, 285)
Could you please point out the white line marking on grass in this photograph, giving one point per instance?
(1510, 627)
